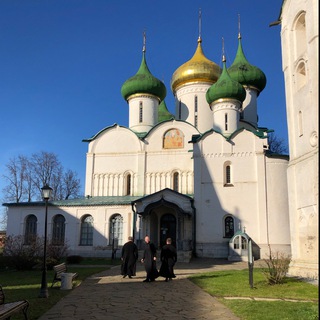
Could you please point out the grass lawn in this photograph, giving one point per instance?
(235, 283)
(20, 285)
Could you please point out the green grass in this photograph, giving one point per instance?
(235, 283)
(20, 285)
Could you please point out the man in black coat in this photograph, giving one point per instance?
(168, 259)
(149, 259)
(129, 257)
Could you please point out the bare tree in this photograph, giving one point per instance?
(25, 178)
(16, 174)
(277, 145)
(71, 184)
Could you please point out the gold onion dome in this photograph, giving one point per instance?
(225, 88)
(143, 82)
(245, 73)
(198, 68)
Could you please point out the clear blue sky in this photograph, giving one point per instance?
(63, 62)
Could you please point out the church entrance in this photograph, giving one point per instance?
(168, 227)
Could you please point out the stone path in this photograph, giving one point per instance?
(108, 296)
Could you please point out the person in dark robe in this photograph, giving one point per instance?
(168, 259)
(149, 259)
(129, 257)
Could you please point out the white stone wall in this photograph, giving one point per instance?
(300, 62)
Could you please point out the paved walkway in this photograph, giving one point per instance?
(107, 296)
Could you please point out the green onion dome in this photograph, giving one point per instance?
(245, 73)
(198, 68)
(225, 88)
(163, 112)
(144, 82)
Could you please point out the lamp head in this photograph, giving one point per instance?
(46, 192)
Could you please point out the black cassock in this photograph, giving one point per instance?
(150, 264)
(129, 255)
(168, 259)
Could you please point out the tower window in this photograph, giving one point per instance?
(179, 109)
(195, 103)
(140, 112)
(226, 122)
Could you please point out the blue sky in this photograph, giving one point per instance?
(63, 62)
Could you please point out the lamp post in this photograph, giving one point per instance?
(113, 223)
(46, 193)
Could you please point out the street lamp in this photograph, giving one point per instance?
(113, 223)
(46, 193)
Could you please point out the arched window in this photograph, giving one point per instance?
(227, 174)
(86, 231)
(228, 227)
(140, 112)
(175, 182)
(301, 77)
(300, 38)
(58, 230)
(30, 232)
(116, 230)
(128, 184)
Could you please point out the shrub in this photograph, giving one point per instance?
(23, 256)
(277, 267)
(74, 259)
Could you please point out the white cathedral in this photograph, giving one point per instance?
(203, 176)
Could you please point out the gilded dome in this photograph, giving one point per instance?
(245, 73)
(198, 68)
(225, 88)
(144, 82)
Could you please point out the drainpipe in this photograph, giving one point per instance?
(133, 221)
(193, 229)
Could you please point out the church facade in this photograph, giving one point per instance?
(203, 176)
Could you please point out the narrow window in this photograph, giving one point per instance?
(30, 229)
(140, 112)
(128, 185)
(228, 227)
(86, 233)
(58, 230)
(195, 103)
(176, 181)
(179, 109)
(228, 174)
(196, 120)
(226, 121)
